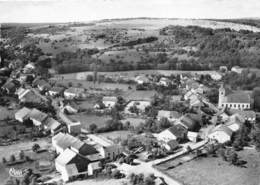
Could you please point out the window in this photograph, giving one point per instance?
(235, 105)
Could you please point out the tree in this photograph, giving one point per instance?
(21, 155)
(4, 160)
(36, 147)
(116, 174)
(12, 158)
(93, 127)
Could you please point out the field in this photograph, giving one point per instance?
(131, 74)
(87, 119)
(215, 171)
(116, 134)
(6, 151)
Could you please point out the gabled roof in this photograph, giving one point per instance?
(52, 124)
(38, 115)
(75, 90)
(110, 98)
(223, 128)
(57, 89)
(23, 113)
(66, 140)
(66, 156)
(190, 122)
(178, 131)
(238, 97)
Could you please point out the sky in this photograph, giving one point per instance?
(87, 10)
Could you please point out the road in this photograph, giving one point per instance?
(147, 167)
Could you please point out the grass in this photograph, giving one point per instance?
(87, 119)
(134, 121)
(6, 151)
(124, 134)
(215, 171)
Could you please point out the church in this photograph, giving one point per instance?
(234, 100)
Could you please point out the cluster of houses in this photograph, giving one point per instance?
(77, 158)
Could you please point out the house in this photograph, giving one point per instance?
(22, 114)
(73, 126)
(37, 117)
(106, 147)
(234, 100)
(172, 116)
(171, 145)
(30, 95)
(176, 132)
(74, 92)
(71, 165)
(193, 136)
(63, 141)
(52, 125)
(10, 86)
(41, 84)
(235, 122)
(109, 101)
(248, 115)
(141, 79)
(190, 122)
(221, 134)
(164, 82)
(237, 69)
(56, 91)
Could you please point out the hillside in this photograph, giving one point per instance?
(143, 43)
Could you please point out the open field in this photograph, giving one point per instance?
(87, 119)
(117, 134)
(132, 74)
(6, 151)
(215, 171)
(89, 85)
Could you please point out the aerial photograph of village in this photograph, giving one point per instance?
(130, 92)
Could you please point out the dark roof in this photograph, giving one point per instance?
(238, 97)
(191, 122)
(173, 144)
(57, 89)
(178, 130)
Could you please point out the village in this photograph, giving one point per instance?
(119, 125)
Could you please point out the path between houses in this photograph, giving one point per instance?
(147, 167)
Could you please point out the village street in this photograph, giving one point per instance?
(147, 167)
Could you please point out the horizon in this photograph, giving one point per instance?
(112, 19)
(65, 11)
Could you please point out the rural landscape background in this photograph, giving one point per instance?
(122, 92)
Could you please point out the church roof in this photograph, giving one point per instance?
(238, 97)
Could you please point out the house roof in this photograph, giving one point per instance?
(66, 156)
(22, 113)
(222, 128)
(244, 113)
(37, 115)
(173, 144)
(110, 98)
(96, 165)
(57, 89)
(238, 97)
(169, 114)
(75, 90)
(190, 121)
(66, 140)
(178, 130)
(52, 124)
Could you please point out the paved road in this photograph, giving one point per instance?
(147, 167)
